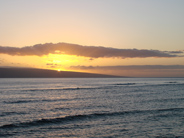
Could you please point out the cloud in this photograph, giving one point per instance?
(1, 60)
(136, 70)
(175, 52)
(52, 65)
(49, 64)
(85, 51)
(131, 67)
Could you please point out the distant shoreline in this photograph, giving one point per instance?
(45, 73)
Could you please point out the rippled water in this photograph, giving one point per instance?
(123, 107)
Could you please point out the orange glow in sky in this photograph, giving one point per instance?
(109, 37)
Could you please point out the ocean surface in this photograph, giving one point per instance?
(94, 108)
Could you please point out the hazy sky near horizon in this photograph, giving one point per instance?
(130, 32)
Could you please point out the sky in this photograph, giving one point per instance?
(120, 37)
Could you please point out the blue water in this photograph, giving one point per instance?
(102, 108)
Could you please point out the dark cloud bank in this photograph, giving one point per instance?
(85, 51)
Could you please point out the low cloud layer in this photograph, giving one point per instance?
(136, 70)
(85, 51)
(132, 67)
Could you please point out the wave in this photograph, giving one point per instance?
(165, 84)
(172, 82)
(124, 84)
(20, 101)
(83, 117)
(168, 136)
(44, 100)
(170, 109)
(35, 101)
(58, 89)
(10, 113)
(164, 100)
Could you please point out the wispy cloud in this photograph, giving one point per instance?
(85, 51)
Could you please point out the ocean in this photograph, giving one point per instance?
(92, 108)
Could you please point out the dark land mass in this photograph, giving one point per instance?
(44, 73)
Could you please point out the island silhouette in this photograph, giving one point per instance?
(46, 73)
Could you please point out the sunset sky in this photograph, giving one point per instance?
(137, 38)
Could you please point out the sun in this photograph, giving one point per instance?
(60, 62)
(63, 62)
